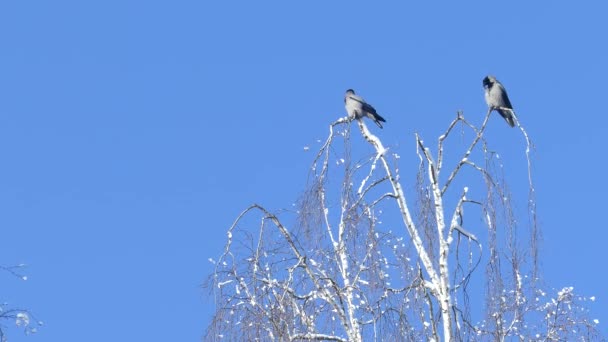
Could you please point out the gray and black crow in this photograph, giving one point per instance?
(497, 99)
(357, 108)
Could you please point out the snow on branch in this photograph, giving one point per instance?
(356, 267)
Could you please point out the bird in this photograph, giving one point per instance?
(356, 107)
(497, 99)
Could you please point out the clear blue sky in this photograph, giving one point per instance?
(133, 132)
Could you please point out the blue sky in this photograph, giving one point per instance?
(133, 132)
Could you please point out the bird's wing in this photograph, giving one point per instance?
(364, 105)
(504, 98)
(368, 108)
(356, 98)
(377, 117)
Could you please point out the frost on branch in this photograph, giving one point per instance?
(369, 256)
(13, 317)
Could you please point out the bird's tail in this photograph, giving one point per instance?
(378, 119)
(507, 114)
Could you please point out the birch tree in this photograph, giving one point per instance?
(365, 255)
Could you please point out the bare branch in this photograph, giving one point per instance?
(468, 151)
(405, 213)
(316, 337)
(442, 137)
(344, 274)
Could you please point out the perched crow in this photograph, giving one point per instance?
(497, 99)
(357, 108)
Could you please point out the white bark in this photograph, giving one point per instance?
(295, 285)
(402, 203)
